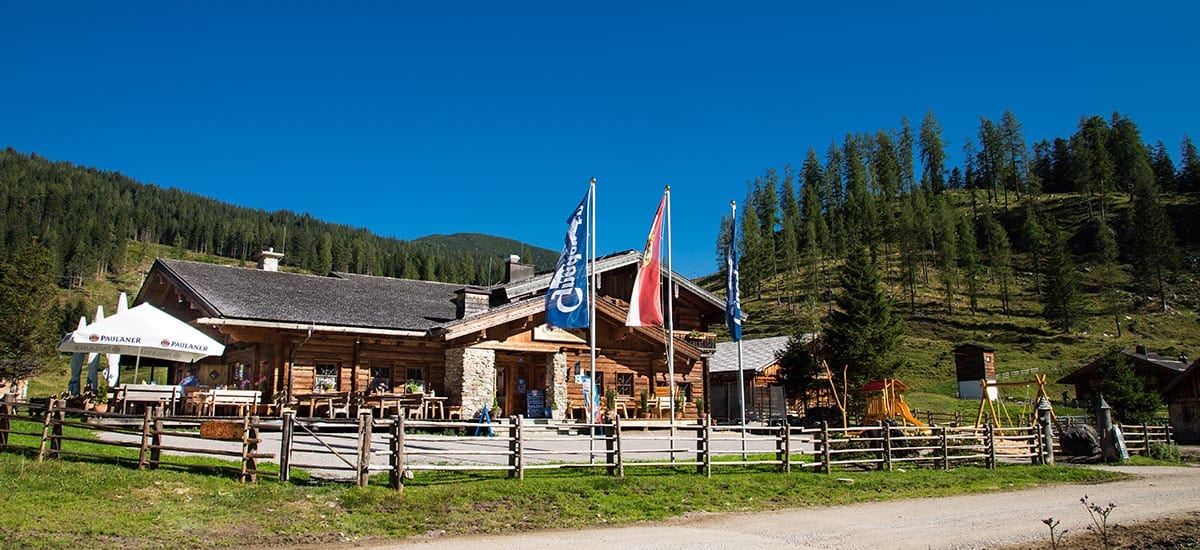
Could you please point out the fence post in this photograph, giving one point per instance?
(156, 439)
(396, 475)
(285, 445)
(620, 453)
(46, 429)
(887, 444)
(1146, 437)
(945, 449)
(825, 447)
(364, 447)
(249, 449)
(1168, 432)
(1039, 456)
(610, 446)
(704, 467)
(56, 429)
(516, 448)
(787, 448)
(145, 450)
(991, 446)
(6, 411)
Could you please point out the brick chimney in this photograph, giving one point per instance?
(268, 260)
(471, 300)
(515, 271)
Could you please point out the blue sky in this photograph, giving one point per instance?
(412, 119)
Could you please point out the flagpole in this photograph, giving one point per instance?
(740, 374)
(670, 324)
(591, 274)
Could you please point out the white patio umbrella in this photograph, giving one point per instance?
(144, 331)
(114, 359)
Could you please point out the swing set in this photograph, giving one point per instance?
(987, 403)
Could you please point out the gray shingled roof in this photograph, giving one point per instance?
(342, 299)
(757, 354)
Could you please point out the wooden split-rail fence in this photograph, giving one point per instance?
(354, 449)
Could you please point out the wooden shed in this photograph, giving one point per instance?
(974, 363)
(1155, 371)
(1183, 404)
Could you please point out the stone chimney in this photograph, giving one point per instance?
(268, 260)
(471, 300)
(1140, 349)
(515, 271)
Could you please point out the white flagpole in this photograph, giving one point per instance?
(740, 375)
(670, 324)
(591, 274)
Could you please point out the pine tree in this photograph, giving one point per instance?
(999, 262)
(1013, 165)
(1104, 246)
(947, 250)
(968, 253)
(1061, 301)
(863, 333)
(1131, 401)
(1189, 167)
(933, 152)
(911, 248)
(1152, 241)
(1164, 168)
(904, 152)
(1131, 161)
(26, 302)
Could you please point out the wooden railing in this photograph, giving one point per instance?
(704, 341)
(357, 448)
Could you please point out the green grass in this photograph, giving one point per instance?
(65, 504)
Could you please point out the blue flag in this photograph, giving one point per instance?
(567, 297)
(733, 295)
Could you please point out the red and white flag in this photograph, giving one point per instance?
(645, 306)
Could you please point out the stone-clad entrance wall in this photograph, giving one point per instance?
(556, 385)
(471, 379)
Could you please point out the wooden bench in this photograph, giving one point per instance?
(148, 395)
(241, 400)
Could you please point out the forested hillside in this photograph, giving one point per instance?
(86, 216)
(1049, 251)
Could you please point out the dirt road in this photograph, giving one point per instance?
(969, 521)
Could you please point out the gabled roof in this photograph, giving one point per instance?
(1187, 373)
(757, 354)
(1151, 360)
(342, 299)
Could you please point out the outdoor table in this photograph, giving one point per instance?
(313, 402)
(435, 407)
(384, 402)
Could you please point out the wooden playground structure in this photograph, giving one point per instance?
(887, 403)
(987, 403)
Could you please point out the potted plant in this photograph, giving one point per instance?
(679, 402)
(610, 400)
(100, 400)
(644, 404)
(700, 405)
(495, 411)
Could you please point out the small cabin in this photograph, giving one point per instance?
(974, 363)
(1183, 404)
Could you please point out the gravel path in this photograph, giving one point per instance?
(968, 521)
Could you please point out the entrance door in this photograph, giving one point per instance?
(517, 374)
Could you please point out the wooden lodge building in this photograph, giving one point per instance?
(291, 334)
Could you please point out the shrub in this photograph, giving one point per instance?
(1165, 452)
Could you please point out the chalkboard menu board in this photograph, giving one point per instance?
(535, 404)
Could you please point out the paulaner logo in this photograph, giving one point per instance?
(105, 339)
(183, 345)
(564, 295)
